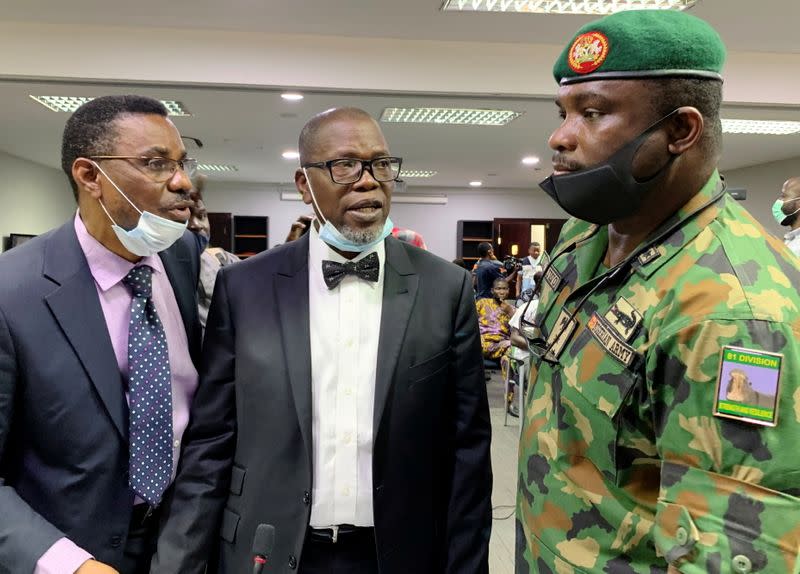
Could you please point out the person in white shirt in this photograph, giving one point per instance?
(786, 211)
(342, 397)
(531, 264)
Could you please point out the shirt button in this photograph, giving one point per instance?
(347, 437)
(292, 562)
(116, 541)
(177, 443)
(346, 491)
(306, 498)
(349, 343)
(348, 391)
(742, 564)
(681, 536)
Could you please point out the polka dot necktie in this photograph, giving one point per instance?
(149, 392)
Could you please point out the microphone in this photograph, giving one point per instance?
(263, 541)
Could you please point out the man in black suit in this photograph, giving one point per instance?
(342, 398)
(90, 428)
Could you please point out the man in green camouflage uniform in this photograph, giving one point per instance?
(632, 457)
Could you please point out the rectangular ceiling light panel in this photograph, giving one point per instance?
(762, 127)
(596, 7)
(216, 167)
(449, 116)
(417, 173)
(71, 103)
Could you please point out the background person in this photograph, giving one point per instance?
(627, 462)
(212, 259)
(786, 211)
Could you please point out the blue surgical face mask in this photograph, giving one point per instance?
(333, 237)
(777, 211)
(152, 233)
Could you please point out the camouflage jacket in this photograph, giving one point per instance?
(623, 465)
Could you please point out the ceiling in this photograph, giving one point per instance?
(251, 127)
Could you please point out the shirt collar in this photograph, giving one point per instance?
(318, 251)
(792, 234)
(108, 268)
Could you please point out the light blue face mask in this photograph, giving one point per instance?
(152, 233)
(333, 237)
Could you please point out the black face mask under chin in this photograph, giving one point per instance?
(608, 191)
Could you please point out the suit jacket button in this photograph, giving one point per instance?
(292, 562)
(116, 541)
(306, 498)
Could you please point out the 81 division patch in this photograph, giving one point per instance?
(748, 385)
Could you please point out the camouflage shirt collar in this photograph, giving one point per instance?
(691, 219)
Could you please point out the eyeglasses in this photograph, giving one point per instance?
(350, 170)
(160, 168)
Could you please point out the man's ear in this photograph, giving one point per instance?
(87, 176)
(301, 183)
(685, 130)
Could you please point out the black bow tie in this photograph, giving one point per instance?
(367, 269)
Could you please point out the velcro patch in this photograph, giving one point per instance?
(748, 385)
(610, 340)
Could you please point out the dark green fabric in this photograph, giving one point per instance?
(649, 43)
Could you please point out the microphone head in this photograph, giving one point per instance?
(264, 540)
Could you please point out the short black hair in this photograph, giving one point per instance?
(484, 249)
(499, 280)
(308, 135)
(668, 94)
(90, 131)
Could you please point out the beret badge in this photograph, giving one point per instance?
(588, 52)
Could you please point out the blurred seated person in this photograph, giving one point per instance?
(212, 258)
(461, 263)
(409, 236)
(493, 320)
(487, 270)
(520, 322)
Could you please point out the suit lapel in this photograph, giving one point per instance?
(400, 285)
(76, 308)
(181, 273)
(291, 300)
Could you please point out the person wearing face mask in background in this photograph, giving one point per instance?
(212, 258)
(343, 398)
(632, 459)
(90, 428)
(786, 211)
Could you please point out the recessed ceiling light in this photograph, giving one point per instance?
(418, 173)
(449, 116)
(72, 103)
(292, 96)
(763, 127)
(563, 6)
(530, 160)
(475, 183)
(290, 154)
(217, 167)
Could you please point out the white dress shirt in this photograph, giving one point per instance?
(792, 240)
(344, 327)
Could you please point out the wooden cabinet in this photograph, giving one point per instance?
(469, 235)
(250, 235)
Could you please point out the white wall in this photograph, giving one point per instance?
(763, 183)
(33, 198)
(436, 223)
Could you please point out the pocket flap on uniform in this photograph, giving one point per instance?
(230, 522)
(237, 479)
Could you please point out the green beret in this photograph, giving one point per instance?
(642, 44)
